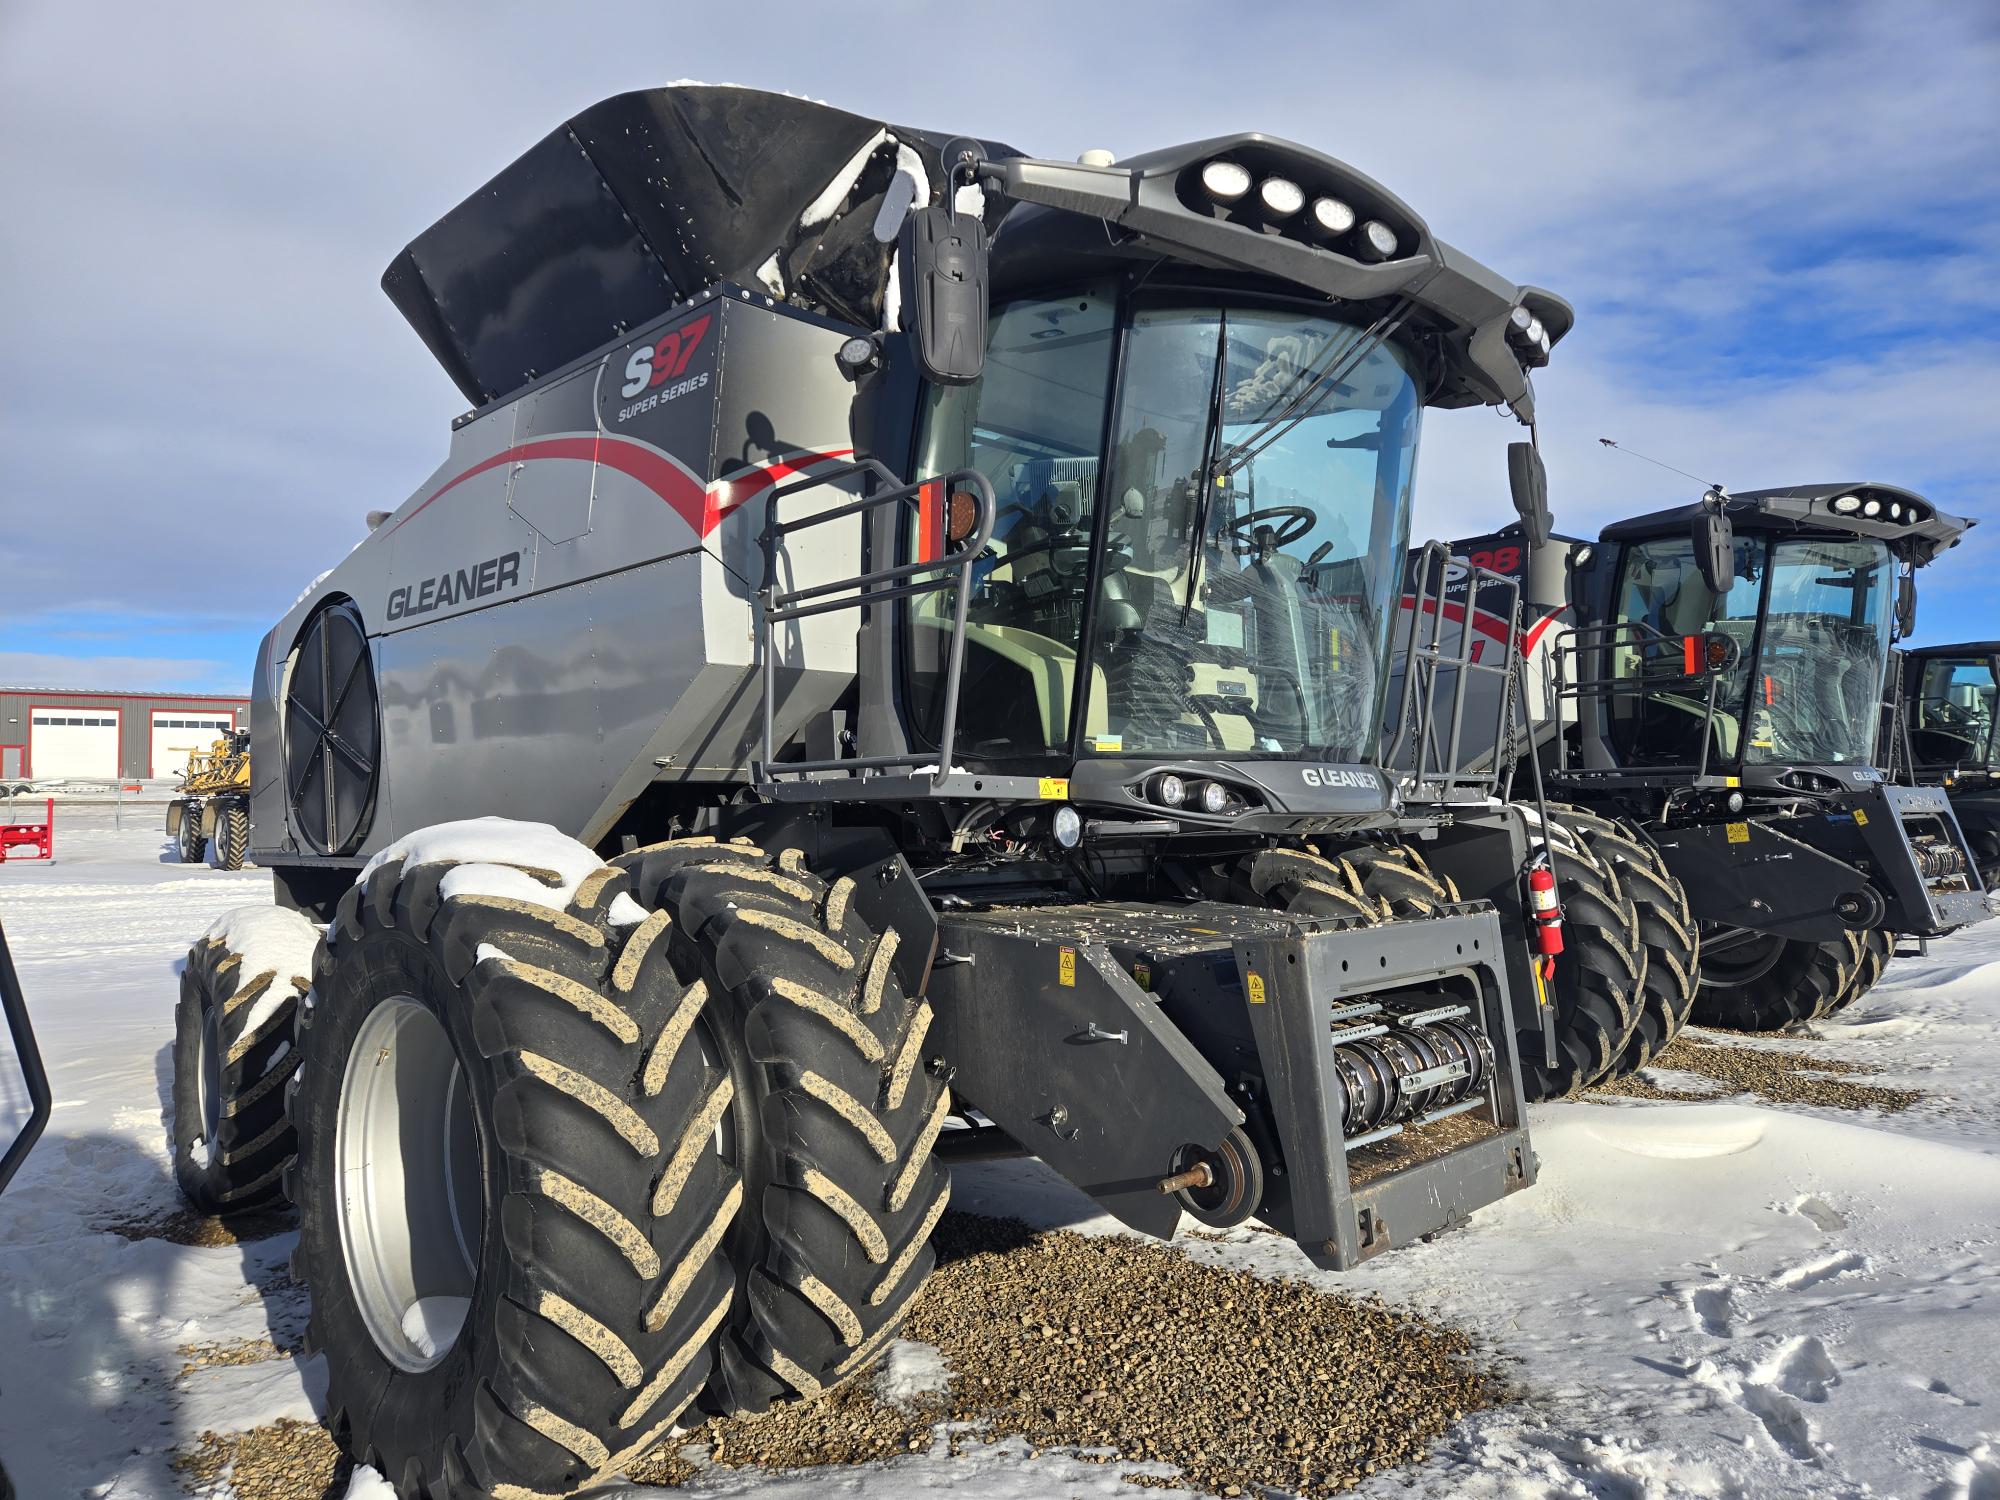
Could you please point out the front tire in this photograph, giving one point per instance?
(1668, 934)
(1599, 976)
(509, 1189)
(1877, 948)
(836, 1114)
(1758, 981)
(191, 845)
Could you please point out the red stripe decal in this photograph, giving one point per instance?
(702, 507)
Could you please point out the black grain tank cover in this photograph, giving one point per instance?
(642, 201)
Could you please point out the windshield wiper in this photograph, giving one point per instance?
(1342, 361)
(1206, 477)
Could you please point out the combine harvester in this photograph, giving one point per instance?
(214, 803)
(1943, 726)
(1709, 680)
(1034, 804)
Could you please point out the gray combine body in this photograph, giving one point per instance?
(566, 607)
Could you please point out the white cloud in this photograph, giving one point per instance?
(137, 674)
(202, 388)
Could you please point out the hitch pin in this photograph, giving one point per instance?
(1196, 1176)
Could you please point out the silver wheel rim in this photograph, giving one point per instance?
(410, 1184)
(208, 1072)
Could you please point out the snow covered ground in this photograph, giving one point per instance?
(1699, 1299)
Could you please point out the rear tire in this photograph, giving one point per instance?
(1599, 976)
(1668, 934)
(233, 1053)
(495, 1098)
(1757, 981)
(836, 1114)
(232, 836)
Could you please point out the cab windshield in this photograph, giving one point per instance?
(1221, 577)
(1951, 722)
(1810, 618)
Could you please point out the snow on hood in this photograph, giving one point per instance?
(533, 862)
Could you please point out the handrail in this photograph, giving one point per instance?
(952, 567)
(1441, 768)
(1574, 642)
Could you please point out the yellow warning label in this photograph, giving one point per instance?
(1739, 833)
(1142, 974)
(1732, 781)
(1541, 988)
(1055, 788)
(1107, 744)
(1256, 988)
(1860, 817)
(1066, 966)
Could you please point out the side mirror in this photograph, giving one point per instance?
(1529, 481)
(1906, 605)
(1715, 544)
(944, 270)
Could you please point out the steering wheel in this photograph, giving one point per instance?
(1294, 522)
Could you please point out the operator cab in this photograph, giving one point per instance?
(1780, 665)
(1196, 534)
(1951, 710)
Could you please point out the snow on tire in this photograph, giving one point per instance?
(510, 1203)
(834, 1116)
(233, 1052)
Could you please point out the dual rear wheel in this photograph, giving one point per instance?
(581, 1155)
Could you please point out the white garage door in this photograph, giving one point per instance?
(177, 731)
(73, 742)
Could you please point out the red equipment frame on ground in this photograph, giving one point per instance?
(39, 837)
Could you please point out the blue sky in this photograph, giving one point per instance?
(1780, 225)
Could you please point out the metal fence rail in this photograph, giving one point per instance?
(1567, 679)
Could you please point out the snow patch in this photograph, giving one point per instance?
(970, 199)
(908, 161)
(493, 857)
(771, 277)
(625, 912)
(912, 1371)
(432, 1323)
(366, 1484)
(827, 204)
(489, 950)
(200, 1152)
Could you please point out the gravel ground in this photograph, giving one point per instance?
(1780, 1075)
(1114, 1349)
(284, 1461)
(1127, 1350)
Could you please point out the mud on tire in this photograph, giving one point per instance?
(835, 1114)
(1668, 933)
(233, 1055)
(581, 1228)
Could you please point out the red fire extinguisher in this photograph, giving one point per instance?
(1545, 918)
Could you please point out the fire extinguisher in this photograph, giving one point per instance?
(1545, 918)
